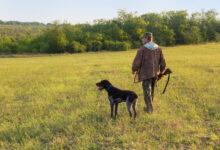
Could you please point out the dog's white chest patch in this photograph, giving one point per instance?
(118, 100)
(110, 98)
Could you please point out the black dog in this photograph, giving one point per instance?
(117, 96)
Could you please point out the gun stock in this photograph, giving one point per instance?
(166, 72)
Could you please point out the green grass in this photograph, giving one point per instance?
(51, 102)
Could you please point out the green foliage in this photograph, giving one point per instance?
(57, 40)
(134, 26)
(109, 45)
(75, 47)
(209, 25)
(111, 29)
(24, 46)
(116, 45)
(40, 44)
(7, 46)
(162, 34)
(192, 35)
(94, 45)
(21, 23)
(136, 44)
(122, 45)
(120, 33)
(177, 21)
(217, 37)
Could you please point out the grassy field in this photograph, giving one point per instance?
(51, 102)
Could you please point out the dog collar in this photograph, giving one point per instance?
(110, 86)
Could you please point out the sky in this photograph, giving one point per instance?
(86, 11)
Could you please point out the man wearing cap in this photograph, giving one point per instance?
(148, 62)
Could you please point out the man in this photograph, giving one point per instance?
(148, 62)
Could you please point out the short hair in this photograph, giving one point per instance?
(150, 38)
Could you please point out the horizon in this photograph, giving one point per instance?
(75, 12)
(92, 22)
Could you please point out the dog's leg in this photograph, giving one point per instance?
(128, 104)
(116, 109)
(112, 107)
(134, 107)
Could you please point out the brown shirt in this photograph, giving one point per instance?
(147, 63)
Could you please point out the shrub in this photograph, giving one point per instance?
(116, 46)
(24, 46)
(109, 45)
(8, 47)
(57, 41)
(217, 37)
(40, 44)
(192, 35)
(122, 46)
(136, 44)
(94, 46)
(76, 47)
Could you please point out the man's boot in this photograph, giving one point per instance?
(149, 108)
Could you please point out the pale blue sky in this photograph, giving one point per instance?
(82, 11)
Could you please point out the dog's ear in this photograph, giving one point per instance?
(106, 83)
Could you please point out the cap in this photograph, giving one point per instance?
(147, 34)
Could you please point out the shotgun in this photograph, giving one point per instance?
(166, 72)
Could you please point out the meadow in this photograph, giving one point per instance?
(52, 102)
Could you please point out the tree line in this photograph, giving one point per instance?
(120, 33)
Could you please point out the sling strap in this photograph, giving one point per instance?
(168, 79)
(167, 72)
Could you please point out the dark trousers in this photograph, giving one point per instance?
(148, 89)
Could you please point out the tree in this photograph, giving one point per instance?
(76, 47)
(57, 40)
(162, 34)
(178, 22)
(209, 25)
(133, 25)
(192, 35)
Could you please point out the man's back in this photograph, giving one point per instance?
(148, 61)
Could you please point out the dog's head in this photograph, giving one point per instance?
(103, 84)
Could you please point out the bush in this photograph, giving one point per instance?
(192, 35)
(94, 46)
(57, 40)
(122, 46)
(40, 44)
(8, 47)
(24, 46)
(116, 46)
(109, 45)
(217, 37)
(76, 47)
(136, 44)
(12, 47)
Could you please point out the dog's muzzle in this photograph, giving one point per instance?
(99, 87)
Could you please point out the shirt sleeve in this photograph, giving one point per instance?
(137, 60)
(162, 62)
